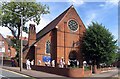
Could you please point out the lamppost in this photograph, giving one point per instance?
(21, 53)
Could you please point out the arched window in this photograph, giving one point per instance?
(48, 47)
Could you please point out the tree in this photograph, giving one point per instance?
(118, 54)
(118, 57)
(13, 21)
(99, 45)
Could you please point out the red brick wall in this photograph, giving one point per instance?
(32, 34)
(6, 54)
(6, 49)
(12, 52)
(69, 72)
(40, 48)
(61, 40)
(65, 37)
(87, 73)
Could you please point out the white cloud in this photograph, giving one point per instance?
(113, 2)
(102, 5)
(30, 21)
(24, 34)
(109, 3)
(76, 2)
(90, 18)
(44, 21)
(5, 1)
(5, 31)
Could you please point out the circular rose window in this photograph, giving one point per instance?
(73, 26)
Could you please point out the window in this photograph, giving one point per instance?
(48, 47)
(73, 26)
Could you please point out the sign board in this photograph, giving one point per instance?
(2, 49)
(46, 58)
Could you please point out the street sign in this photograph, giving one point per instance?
(46, 58)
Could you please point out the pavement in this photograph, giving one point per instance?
(32, 73)
(11, 74)
(44, 75)
(109, 73)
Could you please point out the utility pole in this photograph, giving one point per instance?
(21, 50)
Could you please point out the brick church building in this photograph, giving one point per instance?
(61, 38)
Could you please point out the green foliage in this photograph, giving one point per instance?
(99, 45)
(27, 9)
(11, 17)
(86, 68)
(16, 44)
(118, 55)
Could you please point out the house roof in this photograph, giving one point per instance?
(10, 43)
(2, 37)
(51, 25)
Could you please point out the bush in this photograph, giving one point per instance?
(86, 68)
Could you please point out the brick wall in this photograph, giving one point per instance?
(11, 52)
(61, 39)
(5, 44)
(65, 37)
(69, 72)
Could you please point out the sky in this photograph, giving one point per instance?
(104, 12)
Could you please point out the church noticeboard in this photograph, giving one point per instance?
(46, 58)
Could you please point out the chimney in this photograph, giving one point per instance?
(32, 34)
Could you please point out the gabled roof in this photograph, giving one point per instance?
(2, 37)
(10, 43)
(51, 25)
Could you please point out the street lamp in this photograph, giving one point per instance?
(21, 54)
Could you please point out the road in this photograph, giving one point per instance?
(6, 74)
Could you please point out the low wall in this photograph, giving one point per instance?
(99, 71)
(7, 62)
(69, 72)
(87, 73)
